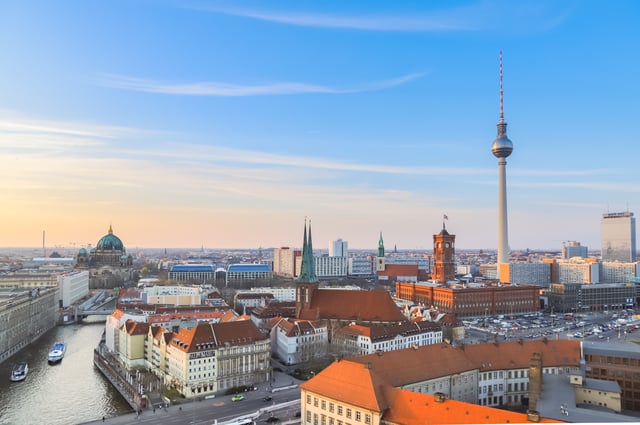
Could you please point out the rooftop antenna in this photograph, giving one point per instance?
(501, 103)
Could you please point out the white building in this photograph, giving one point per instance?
(296, 341)
(618, 272)
(172, 294)
(362, 266)
(577, 270)
(618, 231)
(331, 267)
(279, 294)
(73, 286)
(361, 339)
(528, 273)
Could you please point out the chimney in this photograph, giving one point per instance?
(533, 416)
(439, 397)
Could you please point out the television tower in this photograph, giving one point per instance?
(501, 149)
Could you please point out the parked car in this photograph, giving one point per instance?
(237, 397)
(266, 398)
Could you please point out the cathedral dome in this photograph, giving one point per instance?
(110, 242)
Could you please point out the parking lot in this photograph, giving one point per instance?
(620, 325)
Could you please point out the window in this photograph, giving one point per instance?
(308, 399)
(358, 416)
(315, 401)
(324, 405)
(348, 413)
(339, 412)
(331, 407)
(308, 416)
(367, 418)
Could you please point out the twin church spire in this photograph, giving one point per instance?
(307, 269)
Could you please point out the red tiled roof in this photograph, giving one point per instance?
(206, 336)
(402, 367)
(399, 270)
(341, 304)
(136, 328)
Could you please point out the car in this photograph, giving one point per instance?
(272, 419)
(266, 398)
(237, 397)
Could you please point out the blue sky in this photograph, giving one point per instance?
(226, 123)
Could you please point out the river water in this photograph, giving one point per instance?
(70, 392)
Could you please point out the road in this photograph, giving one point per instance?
(284, 405)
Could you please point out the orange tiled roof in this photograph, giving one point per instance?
(350, 383)
(351, 305)
(408, 407)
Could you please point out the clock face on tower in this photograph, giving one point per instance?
(446, 245)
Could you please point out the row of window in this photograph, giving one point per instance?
(338, 409)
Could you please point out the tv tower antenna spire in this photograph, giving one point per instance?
(501, 102)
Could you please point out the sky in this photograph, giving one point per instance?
(226, 124)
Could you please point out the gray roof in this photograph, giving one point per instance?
(601, 385)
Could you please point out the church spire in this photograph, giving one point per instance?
(307, 268)
(380, 246)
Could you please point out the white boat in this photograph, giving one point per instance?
(56, 353)
(19, 371)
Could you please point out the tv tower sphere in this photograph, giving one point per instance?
(502, 146)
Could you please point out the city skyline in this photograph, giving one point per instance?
(225, 124)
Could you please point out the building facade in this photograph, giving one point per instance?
(472, 301)
(572, 249)
(284, 261)
(25, 315)
(618, 231)
(242, 275)
(197, 273)
(298, 341)
(73, 287)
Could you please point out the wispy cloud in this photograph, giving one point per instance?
(476, 16)
(236, 90)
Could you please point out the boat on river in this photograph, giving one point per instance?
(56, 353)
(19, 371)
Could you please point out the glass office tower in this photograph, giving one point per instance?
(618, 232)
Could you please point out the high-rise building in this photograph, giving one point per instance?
(501, 149)
(618, 232)
(338, 248)
(572, 249)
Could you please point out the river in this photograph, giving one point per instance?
(70, 392)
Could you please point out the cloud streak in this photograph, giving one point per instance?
(479, 16)
(221, 89)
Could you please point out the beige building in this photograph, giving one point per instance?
(212, 357)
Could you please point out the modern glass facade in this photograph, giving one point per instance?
(618, 231)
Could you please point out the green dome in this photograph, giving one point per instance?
(110, 242)
(82, 251)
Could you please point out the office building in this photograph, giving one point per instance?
(338, 248)
(618, 231)
(73, 287)
(572, 249)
